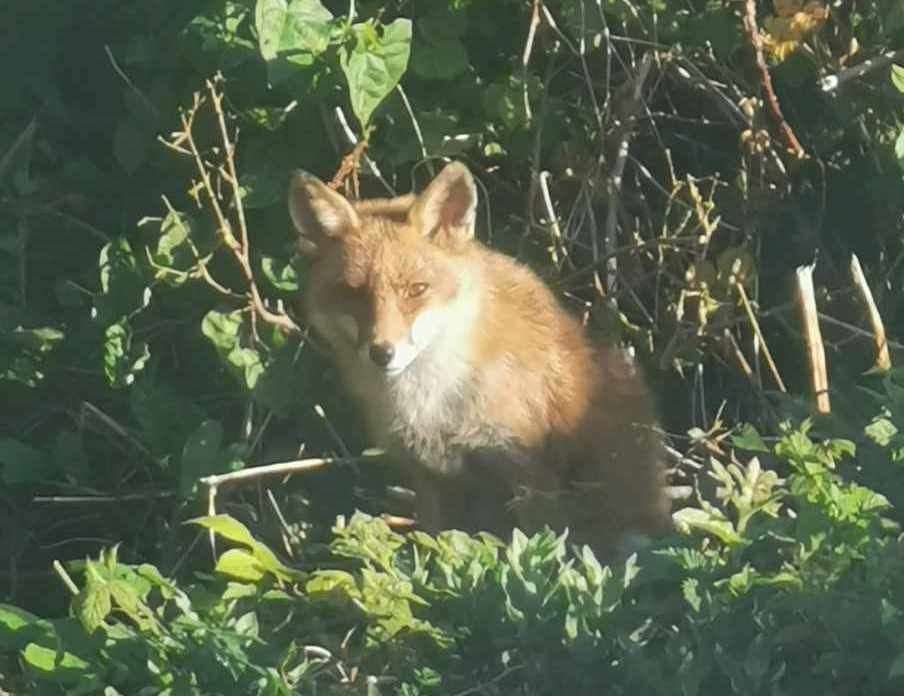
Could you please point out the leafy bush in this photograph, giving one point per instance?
(774, 586)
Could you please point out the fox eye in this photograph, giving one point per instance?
(417, 289)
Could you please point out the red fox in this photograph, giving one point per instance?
(469, 371)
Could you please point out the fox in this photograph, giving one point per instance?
(499, 409)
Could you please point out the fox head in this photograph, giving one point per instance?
(389, 277)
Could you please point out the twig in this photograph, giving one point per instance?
(281, 469)
(557, 241)
(614, 180)
(398, 522)
(525, 57)
(482, 688)
(148, 104)
(349, 167)
(883, 359)
(243, 252)
(739, 355)
(211, 512)
(816, 353)
(759, 336)
(78, 499)
(830, 83)
(285, 531)
(857, 330)
(353, 141)
(183, 143)
(337, 438)
(64, 576)
(756, 42)
(21, 141)
(417, 129)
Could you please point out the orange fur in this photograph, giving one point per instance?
(468, 370)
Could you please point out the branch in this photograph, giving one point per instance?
(756, 42)
(830, 83)
(184, 143)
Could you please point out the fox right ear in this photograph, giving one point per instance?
(447, 208)
(318, 212)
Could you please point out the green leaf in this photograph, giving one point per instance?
(899, 148)
(172, 257)
(230, 528)
(375, 64)
(240, 564)
(220, 34)
(227, 527)
(881, 431)
(59, 666)
(123, 359)
(24, 352)
(749, 439)
(222, 329)
(503, 101)
(247, 625)
(291, 34)
(42, 339)
(281, 275)
(897, 77)
(711, 521)
(261, 189)
(330, 581)
(14, 626)
(689, 589)
(93, 604)
(124, 291)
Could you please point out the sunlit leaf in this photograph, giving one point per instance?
(374, 65)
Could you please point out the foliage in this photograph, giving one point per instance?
(628, 152)
(778, 586)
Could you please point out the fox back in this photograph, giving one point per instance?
(469, 371)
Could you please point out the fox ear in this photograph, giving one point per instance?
(318, 212)
(447, 208)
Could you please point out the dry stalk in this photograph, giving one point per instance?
(883, 359)
(751, 317)
(740, 357)
(816, 353)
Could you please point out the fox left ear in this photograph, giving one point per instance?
(318, 212)
(447, 208)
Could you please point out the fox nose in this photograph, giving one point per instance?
(382, 353)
